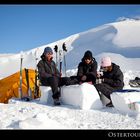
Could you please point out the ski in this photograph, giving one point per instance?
(56, 52)
(29, 92)
(20, 78)
(64, 51)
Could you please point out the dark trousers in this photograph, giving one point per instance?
(90, 78)
(55, 83)
(77, 80)
(104, 89)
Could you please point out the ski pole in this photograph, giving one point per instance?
(60, 60)
(56, 51)
(64, 50)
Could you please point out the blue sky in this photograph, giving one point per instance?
(24, 27)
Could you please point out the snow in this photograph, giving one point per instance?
(37, 115)
(84, 96)
(127, 102)
(32, 115)
(46, 95)
(119, 40)
(124, 31)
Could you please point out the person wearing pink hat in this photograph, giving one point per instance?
(110, 80)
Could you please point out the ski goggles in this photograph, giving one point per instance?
(50, 53)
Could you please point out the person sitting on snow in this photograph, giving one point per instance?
(87, 68)
(110, 80)
(49, 74)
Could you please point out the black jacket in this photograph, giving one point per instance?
(87, 69)
(114, 78)
(47, 69)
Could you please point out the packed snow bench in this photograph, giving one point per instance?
(84, 96)
(126, 101)
(46, 95)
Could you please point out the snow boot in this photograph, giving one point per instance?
(109, 104)
(57, 102)
(26, 99)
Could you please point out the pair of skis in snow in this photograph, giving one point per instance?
(29, 91)
(62, 53)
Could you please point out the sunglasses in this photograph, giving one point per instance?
(87, 58)
(50, 53)
(104, 67)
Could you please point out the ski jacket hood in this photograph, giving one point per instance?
(43, 57)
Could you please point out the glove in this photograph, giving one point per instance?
(99, 74)
(84, 78)
(99, 81)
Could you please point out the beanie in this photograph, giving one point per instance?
(88, 55)
(48, 50)
(105, 62)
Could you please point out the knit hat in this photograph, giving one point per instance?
(48, 50)
(105, 62)
(88, 55)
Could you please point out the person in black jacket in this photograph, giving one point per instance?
(110, 80)
(49, 74)
(87, 68)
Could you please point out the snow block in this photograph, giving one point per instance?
(46, 95)
(126, 101)
(84, 96)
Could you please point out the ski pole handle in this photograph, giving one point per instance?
(64, 47)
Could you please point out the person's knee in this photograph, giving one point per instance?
(98, 86)
(51, 78)
(92, 78)
(53, 82)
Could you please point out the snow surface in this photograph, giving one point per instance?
(110, 39)
(36, 115)
(126, 36)
(32, 115)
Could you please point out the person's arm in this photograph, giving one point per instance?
(117, 81)
(57, 73)
(80, 70)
